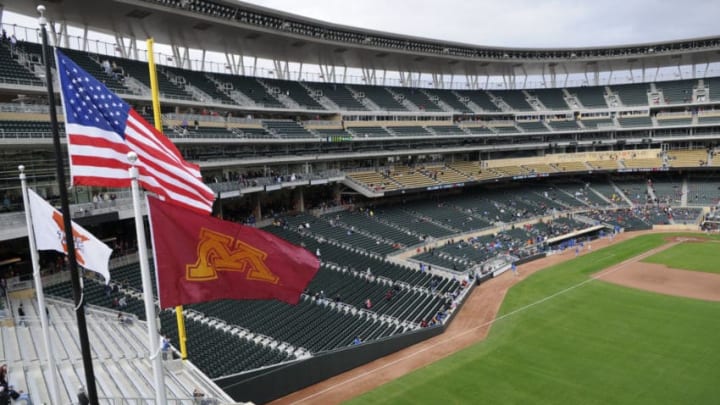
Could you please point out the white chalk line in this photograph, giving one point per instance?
(488, 323)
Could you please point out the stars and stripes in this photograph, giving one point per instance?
(101, 129)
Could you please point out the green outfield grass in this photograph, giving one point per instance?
(590, 343)
(690, 256)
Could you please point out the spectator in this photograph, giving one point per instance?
(165, 346)
(82, 396)
(21, 315)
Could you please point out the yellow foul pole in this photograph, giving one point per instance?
(155, 93)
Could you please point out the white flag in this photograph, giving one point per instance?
(49, 230)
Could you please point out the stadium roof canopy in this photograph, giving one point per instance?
(237, 28)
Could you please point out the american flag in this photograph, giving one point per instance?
(101, 129)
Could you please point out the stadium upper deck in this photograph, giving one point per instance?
(239, 28)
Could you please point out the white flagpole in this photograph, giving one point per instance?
(52, 369)
(147, 284)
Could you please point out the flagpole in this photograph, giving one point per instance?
(90, 387)
(157, 117)
(52, 369)
(153, 335)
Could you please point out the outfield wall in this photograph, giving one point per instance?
(269, 384)
(265, 385)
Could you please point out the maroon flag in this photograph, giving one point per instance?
(201, 258)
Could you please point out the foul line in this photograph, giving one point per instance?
(488, 323)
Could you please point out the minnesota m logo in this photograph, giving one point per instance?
(219, 252)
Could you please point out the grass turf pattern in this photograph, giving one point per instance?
(596, 343)
(690, 256)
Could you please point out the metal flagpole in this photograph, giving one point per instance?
(157, 117)
(147, 284)
(52, 369)
(90, 388)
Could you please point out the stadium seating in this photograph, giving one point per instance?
(414, 130)
(445, 129)
(338, 94)
(381, 97)
(632, 94)
(633, 122)
(515, 99)
(374, 181)
(202, 82)
(139, 70)
(677, 91)
(688, 158)
(295, 91)
(287, 129)
(532, 126)
(91, 63)
(590, 97)
(552, 99)
(449, 98)
(249, 87)
(12, 72)
(418, 98)
(703, 191)
(369, 132)
(569, 125)
(598, 123)
(681, 121)
(480, 98)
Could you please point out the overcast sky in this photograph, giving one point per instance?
(513, 23)
(521, 23)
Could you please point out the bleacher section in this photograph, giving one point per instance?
(410, 131)
(598, 123)
(249, 87)
(370, 132)
(480, 98)
(633, 122)
(12, 72)
(410, 178)
(604, 164)
(683, 121)
(703, 191)
(632, 94)
(445, 130)
(91, 63)
(570, 125)
(139, 71)
(479, 130)
(642, 163)
(677, 91)
(203, 83)
(532, 126)
(338, 94)
(552, 99)
(380, 96)
(571, 167)
(447, 97)
(418, 98)
(295, 91)
(590, 97)
(374, 181)
(515, 99)
(287, 129)
(688, 158)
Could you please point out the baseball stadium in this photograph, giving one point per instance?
(496, 225)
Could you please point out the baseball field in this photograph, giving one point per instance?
(568, 335)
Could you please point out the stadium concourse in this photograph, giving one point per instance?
(411, 196)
